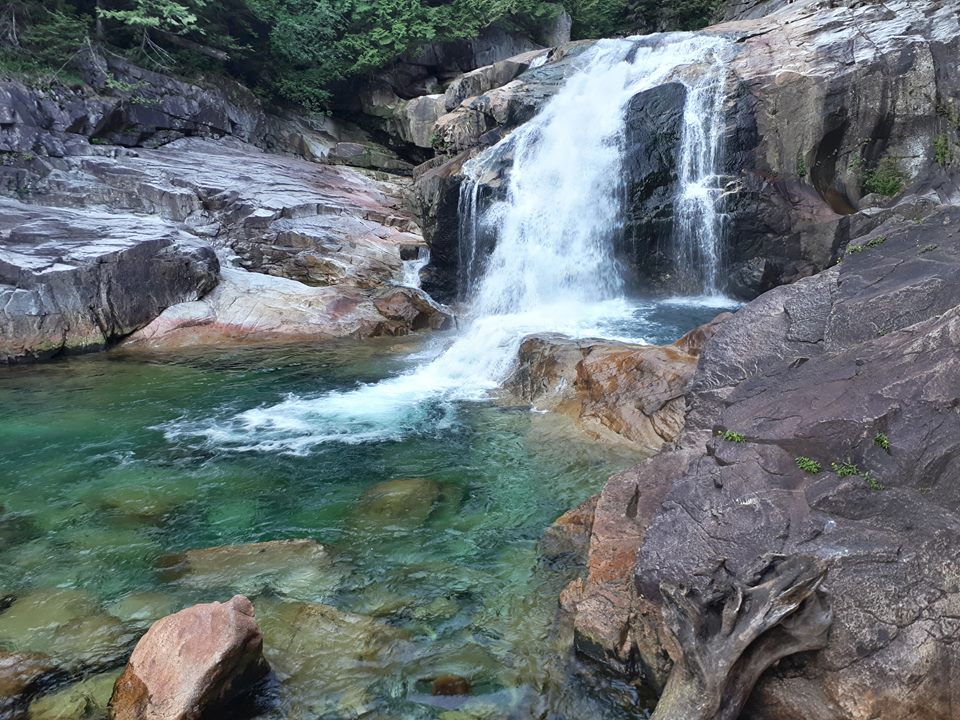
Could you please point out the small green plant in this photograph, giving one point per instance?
(872, 482)
(927, 248)
(808, 465)
(731, 436)
(872, 243)
(855, 163)
(801, 165)
(117, 85)
(941, 150)
(882, 441)
(887, 179)
(845, 468)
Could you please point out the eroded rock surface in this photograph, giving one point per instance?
(73, 281)
(255, 308)
(613, 390)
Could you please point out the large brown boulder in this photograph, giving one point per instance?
(190, 663)
(614, 390)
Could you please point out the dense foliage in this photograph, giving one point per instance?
(294, 50)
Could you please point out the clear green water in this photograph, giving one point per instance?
(95, 494)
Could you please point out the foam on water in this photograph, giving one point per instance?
(552, 268)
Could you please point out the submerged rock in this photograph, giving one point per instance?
(329, 661)
(66, 625)
(85, 700)
(405, 502)
(22, 675)
(191, 663)
(298, 568)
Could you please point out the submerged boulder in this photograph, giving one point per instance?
(85, 700)
(404, 502)
(328, 661)
(191, 663)
(302, 569)
(22, 675)
(68, 626)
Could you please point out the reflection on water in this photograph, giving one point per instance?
(432, 537)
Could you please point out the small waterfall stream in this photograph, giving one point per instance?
(552, 267)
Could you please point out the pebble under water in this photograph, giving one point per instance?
(431, 537)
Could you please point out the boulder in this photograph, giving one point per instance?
(300, 568)
(191, 663)
(613, 390)
(66, 625)
(254, 308)
(76, 281)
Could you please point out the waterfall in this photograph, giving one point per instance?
(552, 267)
(698, 212)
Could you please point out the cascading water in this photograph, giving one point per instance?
(411, 268)
(551, 268)
(698, 214)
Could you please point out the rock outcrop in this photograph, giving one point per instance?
(250, 308)
(825, 101)
(76, 281)
(102, 239)
(614, 390)
(820, 439)
(191, 663)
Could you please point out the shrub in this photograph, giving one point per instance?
(731, 436)
(941, 150)
(845, 468)
(872, 482)
(808, 465)
(887, 179)
(882, 441)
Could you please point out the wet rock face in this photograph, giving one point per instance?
(190, 663)
(652, 133)
(73, 281)
(851, 371)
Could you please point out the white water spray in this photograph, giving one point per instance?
(551, 269)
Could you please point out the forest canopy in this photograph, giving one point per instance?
(295, 50)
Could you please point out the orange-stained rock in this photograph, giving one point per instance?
(191, 663)
(614, 390)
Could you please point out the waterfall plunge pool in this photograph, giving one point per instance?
(442, 567)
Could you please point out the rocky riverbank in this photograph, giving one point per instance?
(801, 532)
